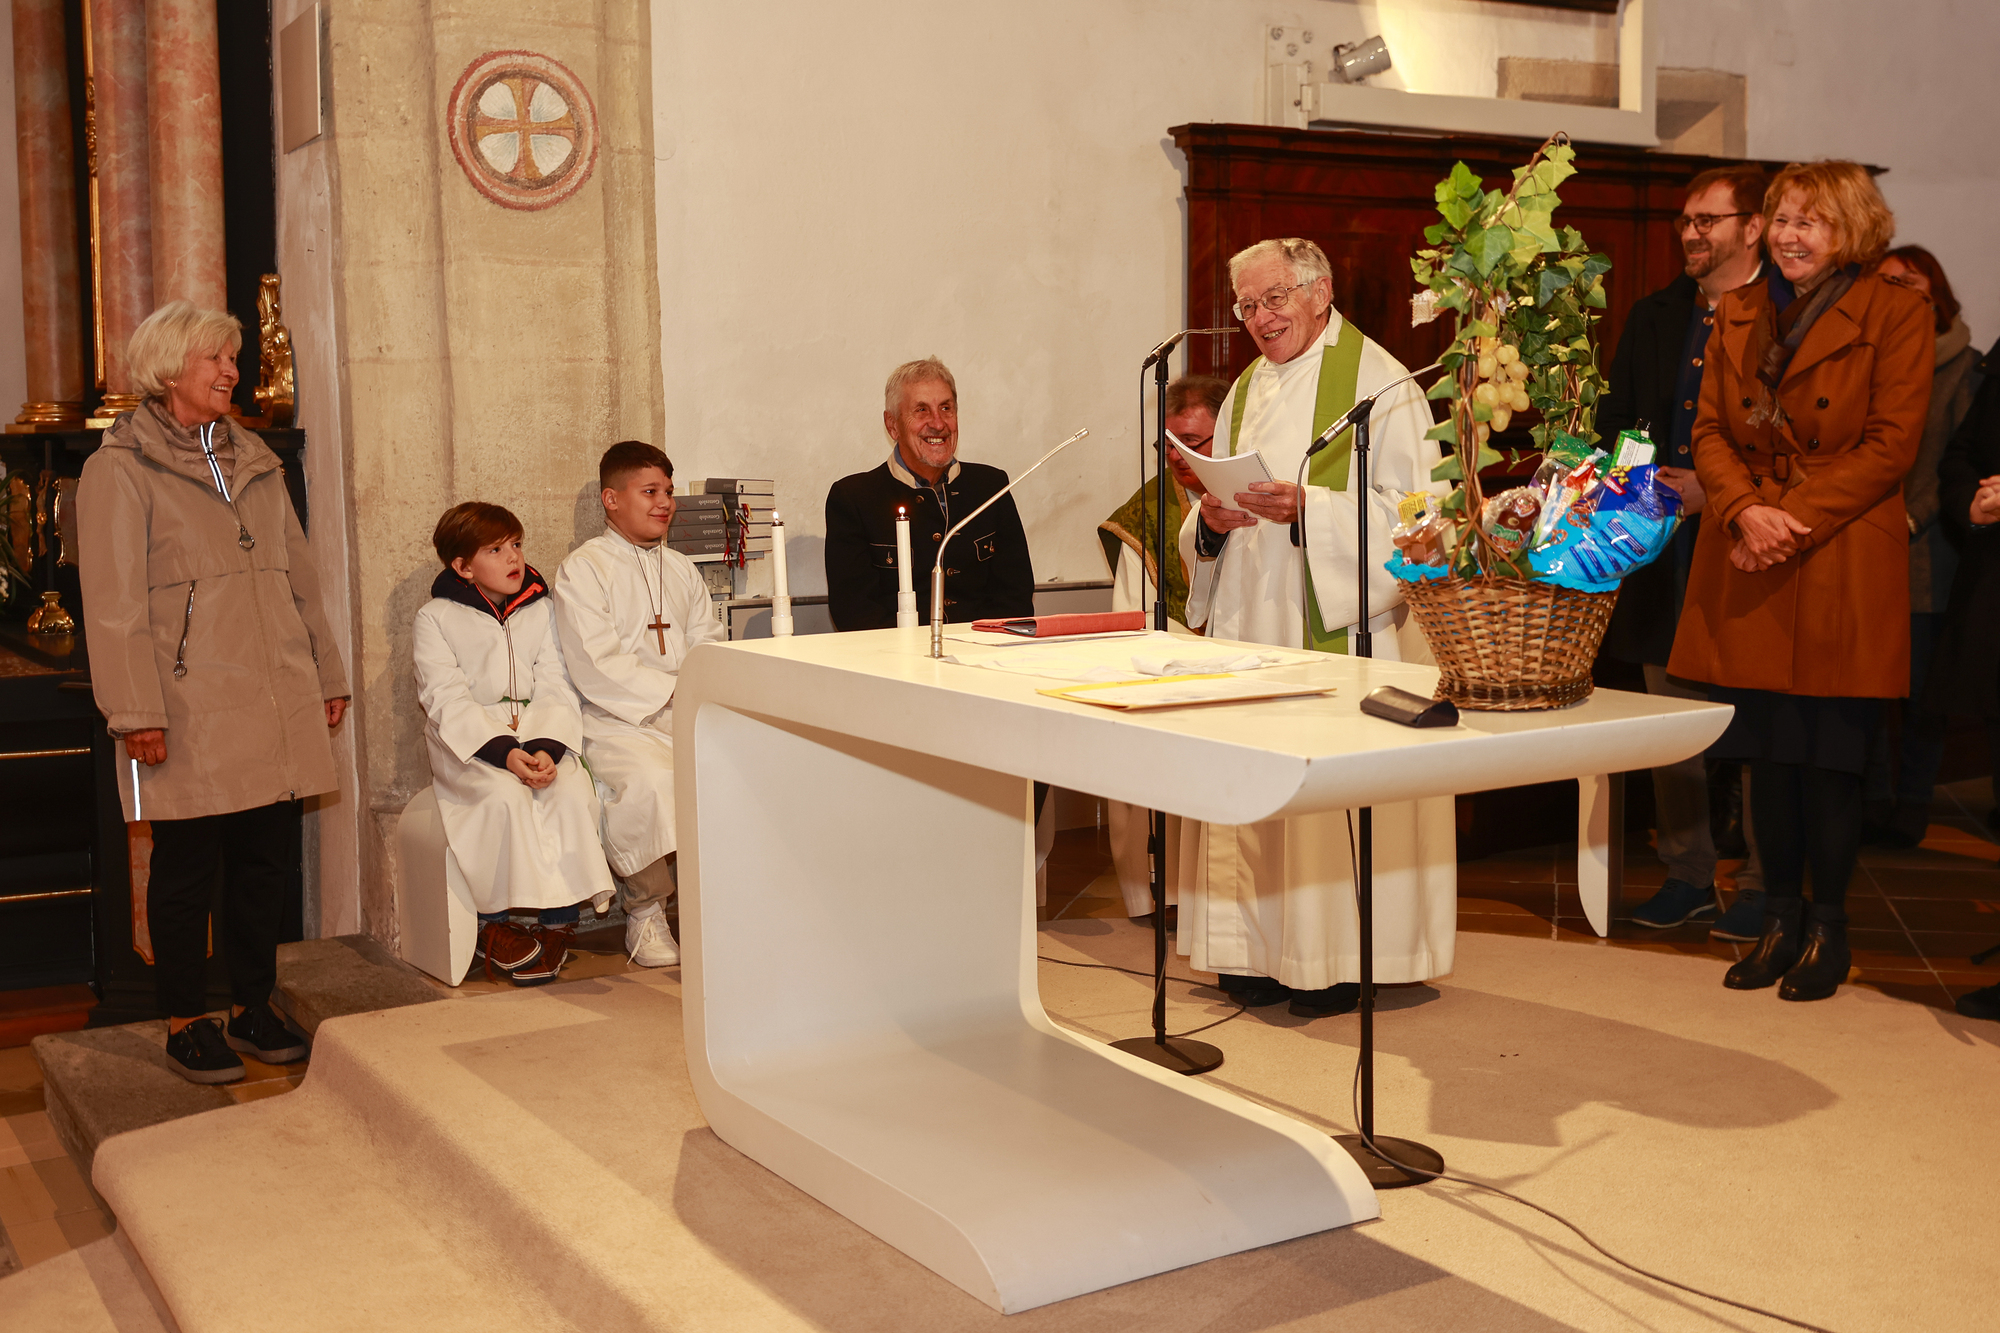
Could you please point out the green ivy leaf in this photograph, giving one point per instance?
(1455, 211)
(1487, 247)
(1445, 430)
(1463, 183)
(1595, 296)
(1548, 282)
(1448, 470)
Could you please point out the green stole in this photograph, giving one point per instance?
(1339, 377)
(1132, 526)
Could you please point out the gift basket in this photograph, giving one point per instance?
(1514, 590)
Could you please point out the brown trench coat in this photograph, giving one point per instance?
(246, 724)
(1832, 620)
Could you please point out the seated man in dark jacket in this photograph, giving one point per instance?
(986, 569)
(1656, 378)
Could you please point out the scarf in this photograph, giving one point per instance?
(1779, 335)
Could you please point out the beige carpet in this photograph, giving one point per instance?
(535, 1159)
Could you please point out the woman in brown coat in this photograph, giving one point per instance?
(211, 657)
(1798, 601)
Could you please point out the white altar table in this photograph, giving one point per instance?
(858, 941)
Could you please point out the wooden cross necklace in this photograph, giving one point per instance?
(660, 625)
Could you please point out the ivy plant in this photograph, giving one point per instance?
(1513, 280)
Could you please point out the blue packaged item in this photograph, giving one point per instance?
(1630, 520)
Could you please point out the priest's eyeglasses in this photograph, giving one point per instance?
(1273, 300)
(1702, 223)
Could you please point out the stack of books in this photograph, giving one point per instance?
(722, 517)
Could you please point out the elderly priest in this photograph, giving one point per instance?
(1270, 906)
(986, 572)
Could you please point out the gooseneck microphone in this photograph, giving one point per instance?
(1168, 346)
(1362, 409)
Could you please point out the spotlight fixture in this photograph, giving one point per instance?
(1353, 63)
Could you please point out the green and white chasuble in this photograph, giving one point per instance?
(1276, 899)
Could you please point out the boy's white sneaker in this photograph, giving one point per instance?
(649, 942)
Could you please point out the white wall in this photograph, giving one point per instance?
(842, 187)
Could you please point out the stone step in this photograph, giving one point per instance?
(104, 1081)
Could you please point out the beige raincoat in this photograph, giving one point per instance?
(174, 574)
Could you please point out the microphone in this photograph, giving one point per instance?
(1168, 346)
(937, 567)
(1362, 409)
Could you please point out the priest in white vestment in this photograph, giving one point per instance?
(1270, 906)
(629, 611)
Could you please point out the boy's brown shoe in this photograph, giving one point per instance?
(556, 942)
(507, 946)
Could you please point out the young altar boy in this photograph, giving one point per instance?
(520, 814)
(629, 611)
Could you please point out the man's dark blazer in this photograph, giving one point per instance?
(1645, 374)
(987, 571)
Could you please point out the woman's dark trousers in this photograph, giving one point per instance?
(254, 852)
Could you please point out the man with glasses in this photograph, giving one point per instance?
(987, 571)
(1656, 379)
(1270, 907)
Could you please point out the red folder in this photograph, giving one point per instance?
(1055, 627)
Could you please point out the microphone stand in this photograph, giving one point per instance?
(937, 566)
(1371, 1151)
(1175, 1053)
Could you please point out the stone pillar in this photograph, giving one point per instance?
(124, 193)
(51, 296)
(184, 100)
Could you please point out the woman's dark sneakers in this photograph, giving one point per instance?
(263, 1034)
(199, 1054)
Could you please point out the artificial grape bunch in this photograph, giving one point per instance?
(1503, 384)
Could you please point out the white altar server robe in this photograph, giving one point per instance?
(1276, 899)
(516, 847)
(607, 593)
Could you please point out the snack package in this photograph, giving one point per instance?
(1509, 518)
(1634, 447)
(1631, 519)
(1421, 532)
(1570, 496)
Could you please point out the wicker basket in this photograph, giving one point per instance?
(1511, 644)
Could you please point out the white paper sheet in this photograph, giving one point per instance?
(1224, 477)
(1127, 657)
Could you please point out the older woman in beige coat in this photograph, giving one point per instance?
(210, 656)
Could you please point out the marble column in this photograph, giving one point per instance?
(184, 100)
(51, 295)
(124, 192)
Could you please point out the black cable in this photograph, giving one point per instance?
(1240, 1010)
(1355, 1099)
(1354, 1108)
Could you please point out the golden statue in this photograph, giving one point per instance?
(274, 393)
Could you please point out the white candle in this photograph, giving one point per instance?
(781, 586)
(906, 593)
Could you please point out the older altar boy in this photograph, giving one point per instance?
(629, 611)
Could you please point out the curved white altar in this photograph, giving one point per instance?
(858, 931)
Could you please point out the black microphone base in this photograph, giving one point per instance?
(1386, 1175)
(1175, 1053)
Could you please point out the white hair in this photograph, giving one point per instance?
(1308, 261)
(915, 372)
(166, 340)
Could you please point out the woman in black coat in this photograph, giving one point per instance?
(1965, 678)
